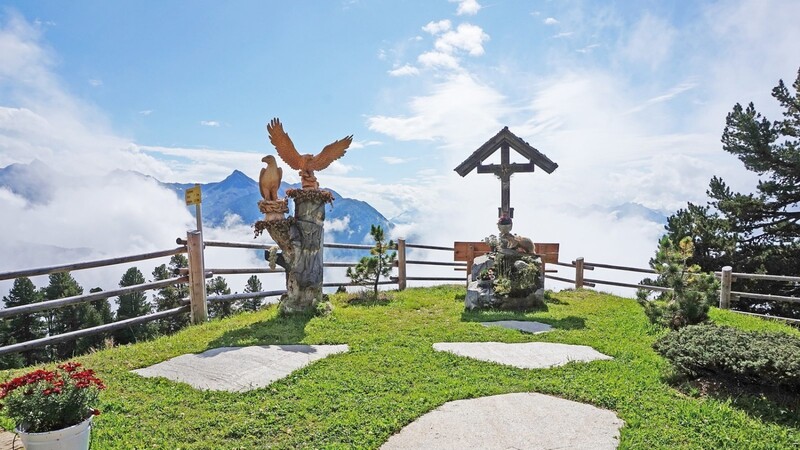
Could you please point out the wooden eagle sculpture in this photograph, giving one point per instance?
(306, 163)
(270, 179)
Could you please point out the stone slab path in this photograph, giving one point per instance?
(239, 369)
(511, 421)
(7, 441)
(521, 325)
(527, 355)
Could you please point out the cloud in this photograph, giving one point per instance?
(438, 60)
(468, 38)
(458, 110)
(95, 82)
(337, 224)
(650, 42)
(435, 28)
(146, 112)
(209, 123)
(362, 144)
(393, 160)
(404, 71)
(563, 35)
(550, 21)
(669, 95)
(467, 7)
(588, 48)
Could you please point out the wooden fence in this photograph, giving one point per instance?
(196, 274)
(726, 276)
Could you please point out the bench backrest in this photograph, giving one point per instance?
(468, 251)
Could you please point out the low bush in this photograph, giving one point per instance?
(769, 358)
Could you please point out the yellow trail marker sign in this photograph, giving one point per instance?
(193, 195)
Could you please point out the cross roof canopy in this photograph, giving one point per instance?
(501, 139)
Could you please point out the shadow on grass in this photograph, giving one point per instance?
(566, 323)
(369, 299)
(779, 405)
(277, 330)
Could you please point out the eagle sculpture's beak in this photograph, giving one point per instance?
(264, 159)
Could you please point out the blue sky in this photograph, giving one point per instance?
(629, 98)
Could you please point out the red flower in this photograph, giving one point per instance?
(95, 412)
(70, 366)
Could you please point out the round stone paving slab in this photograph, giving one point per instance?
(511, 421)
(239, 369)
(526, 355)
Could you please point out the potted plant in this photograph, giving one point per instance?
(53, 409)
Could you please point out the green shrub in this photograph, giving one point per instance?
(769, 358)
(692, 291)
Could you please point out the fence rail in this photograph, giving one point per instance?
(198, 301)
(727, 276)
(89, 264)
(67, 301)
(194, 276)
(57, 339)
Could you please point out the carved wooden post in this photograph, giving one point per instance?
(401, 264)
(197, 279)
(725, 288)
(579, 272)
(300, 240)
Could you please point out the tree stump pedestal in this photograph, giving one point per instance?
(300, 241)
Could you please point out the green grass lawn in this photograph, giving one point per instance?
(392, 375)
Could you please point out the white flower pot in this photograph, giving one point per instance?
(71, 438)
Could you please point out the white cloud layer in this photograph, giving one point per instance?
(467, 7)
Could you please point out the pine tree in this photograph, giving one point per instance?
(757, 232)
(370, 269)
(171, 296)
(25, 327)
(68, 318)
(252, 304)
(692, 291)
(218, 286)
(133, 305)
(13, 360)
(101, 314)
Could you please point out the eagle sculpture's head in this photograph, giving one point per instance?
(269, 159)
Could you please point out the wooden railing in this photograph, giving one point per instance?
(727, 276)
(195, 275)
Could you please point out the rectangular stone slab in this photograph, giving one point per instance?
(239, 369)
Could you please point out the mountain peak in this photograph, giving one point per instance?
(237, 178)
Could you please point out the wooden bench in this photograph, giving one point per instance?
(468, 251)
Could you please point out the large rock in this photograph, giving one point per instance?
(479, 295)
(481, 263)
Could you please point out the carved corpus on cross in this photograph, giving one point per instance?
(504, 141)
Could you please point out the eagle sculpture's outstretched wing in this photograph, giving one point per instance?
(284, 145)
(330, 153)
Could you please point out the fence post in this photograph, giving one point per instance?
(197, 279)
(725, 288)
(579, 272)
(401, 264)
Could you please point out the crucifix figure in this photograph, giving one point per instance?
(504, 171)
(505, 141)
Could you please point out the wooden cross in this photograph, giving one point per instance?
(504, 141)
(504, 170)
